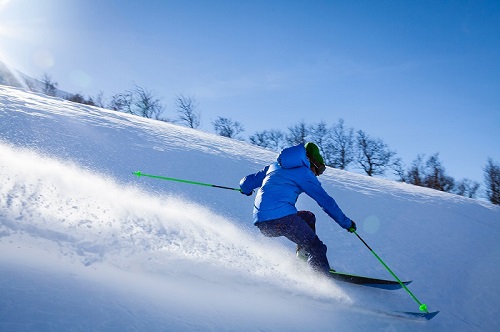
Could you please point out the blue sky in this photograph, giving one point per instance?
(422, 75)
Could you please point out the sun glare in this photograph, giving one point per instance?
(21, 26)
(6, 28)
(8, 31)
(4, 3)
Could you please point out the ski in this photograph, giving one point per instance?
(418, 316)
(367, 281)
(406, 315)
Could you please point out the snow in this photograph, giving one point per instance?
(86, 245)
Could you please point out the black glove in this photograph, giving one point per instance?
(353, 228)
(248, 194)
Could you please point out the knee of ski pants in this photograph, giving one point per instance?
(271, 228)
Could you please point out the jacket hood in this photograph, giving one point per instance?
(294, 156)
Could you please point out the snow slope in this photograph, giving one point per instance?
(86, 245)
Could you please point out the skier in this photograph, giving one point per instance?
(279, 185)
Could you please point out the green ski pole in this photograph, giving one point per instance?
(422, 307)
(139, 174)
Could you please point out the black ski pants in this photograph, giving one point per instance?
(300, 229)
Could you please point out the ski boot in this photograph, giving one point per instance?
(301, 253)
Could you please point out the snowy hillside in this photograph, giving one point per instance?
(85, 245)
(17, 79)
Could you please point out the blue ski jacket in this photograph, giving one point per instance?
(281, 183)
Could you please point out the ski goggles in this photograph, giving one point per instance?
(320, 168)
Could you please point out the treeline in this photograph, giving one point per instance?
(342, 146)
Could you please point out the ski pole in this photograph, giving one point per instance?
(139, 174)
(422, 307)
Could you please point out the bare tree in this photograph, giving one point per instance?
(374, 157)
(297, 134)
(436, 177)
(30, 84)
(78, 98)
(227, 127)
(320, 134)
(271, 139)
(138, 101)
(186, 108)
(492, 181)
(431, 174)
(416, 173)
(49, 87)
(342, 145)
(467, 188)
(260, 139)
(399, 169)
(147, 104)
(122, 102)
(99, 100)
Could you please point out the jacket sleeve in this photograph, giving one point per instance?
(313, 188)
(253, 181)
